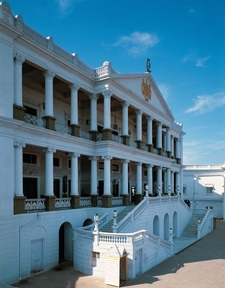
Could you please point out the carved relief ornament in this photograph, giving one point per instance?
(146, 89)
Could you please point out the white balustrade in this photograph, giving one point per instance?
(117, 201)
(85, 135)
(85, 201)
(61, 203)
(31, 119)
(34, 204)
(62, 128)
(117, 138)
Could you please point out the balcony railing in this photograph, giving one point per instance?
(31, 119)
(35, 204)
(62, 128)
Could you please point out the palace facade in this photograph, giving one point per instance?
(74, 141)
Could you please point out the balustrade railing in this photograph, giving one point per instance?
(85, 201)
(85, 135)
(117, 138)
(61, 203)
(62, 128)
(132, 143)
(35, 204)
(31, 119)
(117, 201)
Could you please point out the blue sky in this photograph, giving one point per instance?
(185, 40)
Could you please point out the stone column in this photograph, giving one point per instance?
(139, 128)
(150, 182)
(94, 180)
(107, 131)
(223, 168)
(177, 142)
(159, 180)
(49, 188)
(19, 205)
(138, 195)
(107, 197)
(177, 183)
(168, 140)
(149, 133)
(18, 109)
(74, 110)
(75, 197)
(125, 135)
(172, 182)
(168, 181)
(94, 124)
(125, 192)
(181, 183)
(49, 115)
(159, 137)
(172, 146)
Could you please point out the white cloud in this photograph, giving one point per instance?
(207, 103)
(189, 57)
(201, 61)
(138, 42)
(164, 89)
(66, 6)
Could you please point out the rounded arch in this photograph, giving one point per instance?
(87, 222)
(65, 242)
(166, 227)
(175, 223)
(156, 225)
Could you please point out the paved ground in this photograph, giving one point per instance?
(200, 265)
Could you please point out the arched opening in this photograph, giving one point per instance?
(87, 222)
(156, 225)
(166, 227)
(175, 224)
(65, 243)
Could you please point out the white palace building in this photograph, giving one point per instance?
(77, 146)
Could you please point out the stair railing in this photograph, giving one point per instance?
(206, 225)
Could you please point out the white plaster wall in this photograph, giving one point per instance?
(6, 76)
(6, 175)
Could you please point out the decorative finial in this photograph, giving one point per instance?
(148, 65)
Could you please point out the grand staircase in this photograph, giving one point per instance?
(189, 235)
(108, 227)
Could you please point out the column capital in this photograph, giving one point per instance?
(138, 163)
(93, 97)
(149, 165)
(159, 123)
(107, 157)
(49, 74)
(148, 117)
(125, 161)
(75, 155)
(19, 144)
(74, 87)
(125, 104)
(107, 94)
(139, 112)
(19, 58)
(49, 150)
(93, 158)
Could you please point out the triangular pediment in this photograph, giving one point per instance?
(144, 87)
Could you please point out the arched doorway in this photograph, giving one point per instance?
(175, 224)
(166, 227)
(87, 222)
(156, 225)
(65, 243)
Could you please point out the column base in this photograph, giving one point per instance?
(106, 134)
(169, 154)
(50, 203)
(19, 204)
(126, 200)
(150, 147)
(94, 200)
(126, 140)
(49, 122)
(18, 112)
(160, 150)
(139, 144)
(107, 201)
(138, 198)
(75, 130)
(75, 201)
(94, 135)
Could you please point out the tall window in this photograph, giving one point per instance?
(29, 158)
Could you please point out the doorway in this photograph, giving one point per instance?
(100, 187)
(36, 256)
(65, 243)
(30, 187)
(56, 185)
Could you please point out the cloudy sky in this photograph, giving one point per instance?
(185, 40)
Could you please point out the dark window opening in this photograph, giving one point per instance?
(56, 162)
(30, 110)
(29, 158)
